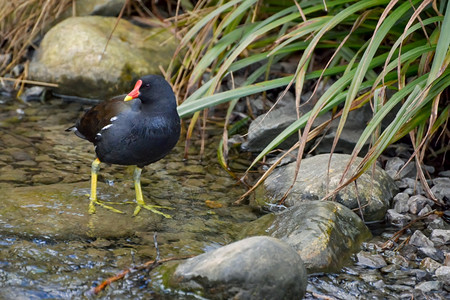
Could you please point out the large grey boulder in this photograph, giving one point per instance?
(324, 233)
(253, 268)
(71, 55)
(374, 193)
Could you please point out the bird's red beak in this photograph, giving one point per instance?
(135, 92)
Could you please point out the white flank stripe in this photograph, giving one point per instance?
(106, 127)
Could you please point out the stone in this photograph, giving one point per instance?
(35, 93)
(401, 203)
(266, 127)
(445, 173)
(428, 286)
(397, 219)
(418, 239)
(325, 234)
(60, 211)
(417, 203)
(443, 274)
(441, 190)
(45, 178)
(424, 210)
(366, 259)
(432, 253)
(441, 180)
(373, 194)
(71, 55)
(12, 175)
(440, 237)
(437, 223)
(253, 268)
(99, 7)
(395, 164)
(414, 187)
(429, 265)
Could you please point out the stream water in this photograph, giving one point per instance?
(50, 247)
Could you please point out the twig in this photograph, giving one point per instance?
(397, 235)
(30, 82)
(148, 265)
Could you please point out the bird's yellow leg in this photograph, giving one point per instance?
(94, 171)
(140, 198)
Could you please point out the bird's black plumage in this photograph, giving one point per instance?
(136, 132)
(138, 129)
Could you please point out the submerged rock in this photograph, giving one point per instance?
(325, 234)
(253, 268)
(73, 55)
(60, 211)
(374, 191)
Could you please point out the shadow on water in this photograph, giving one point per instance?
(50, 247)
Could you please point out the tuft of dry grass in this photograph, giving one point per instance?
(21, 22)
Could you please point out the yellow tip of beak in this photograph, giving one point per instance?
(128, 98)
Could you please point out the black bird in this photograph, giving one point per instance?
(136, 130)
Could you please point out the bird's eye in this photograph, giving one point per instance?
(147, 85)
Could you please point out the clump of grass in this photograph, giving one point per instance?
(374, 46)
(21, 22)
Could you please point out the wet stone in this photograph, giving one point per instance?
(369, 277)
(324, 233)
(436, 224)
(253, 268)
(45, 178)
(367, 259)
(398, 260)
(25, 163)
(417, 203)
(389, 268)
(43, 157)
(441, 190)
(374, 194)
(12, 175)
(420, 240)
(440, 237)
(441, 180)
(429, 265)
(19, 154)
(396, 219)
(6, 158)
(395, 164)
(431, 252)
(398, 287)
(425, 210)
(428, 286)
(13, 142)
(401, 203)
(443, 274)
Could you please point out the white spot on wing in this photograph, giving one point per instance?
(113, 119)
(106, 127)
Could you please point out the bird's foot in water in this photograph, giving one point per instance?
(152, 208)
(97, 202)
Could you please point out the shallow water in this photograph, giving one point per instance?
(50, 247)
(45, 249)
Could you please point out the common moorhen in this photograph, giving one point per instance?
(136, 130)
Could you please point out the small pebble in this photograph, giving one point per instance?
(429, 265)
(420, 240)
(440, 237)
(428, 286)
(367, 259)
(443, 274)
